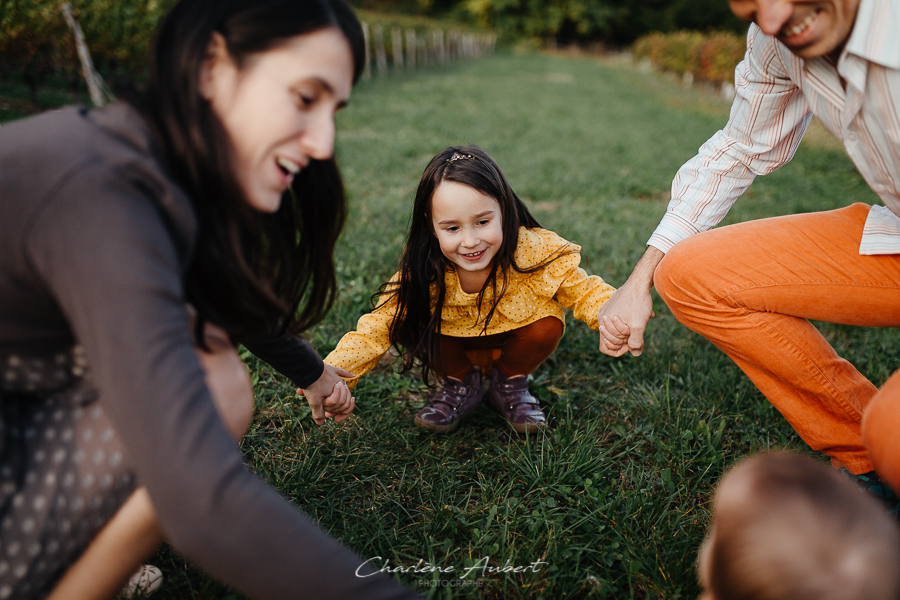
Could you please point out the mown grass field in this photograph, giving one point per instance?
(613, 499)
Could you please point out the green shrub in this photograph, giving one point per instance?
(711, 57)
(34, 37)
(35, 41)
(721, 53)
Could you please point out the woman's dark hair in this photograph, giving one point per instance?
(253, 274)
(420, 290)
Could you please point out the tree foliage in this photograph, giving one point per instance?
(618, 22)
(35, 40)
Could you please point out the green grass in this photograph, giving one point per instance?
(614, 497)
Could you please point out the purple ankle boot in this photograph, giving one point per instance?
(451, 403)
(511, 398)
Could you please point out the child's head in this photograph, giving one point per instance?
(787, 528)
(448, 171)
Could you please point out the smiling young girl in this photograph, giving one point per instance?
(477, 275)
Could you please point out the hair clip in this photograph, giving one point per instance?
(459, 156)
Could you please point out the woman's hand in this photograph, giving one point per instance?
(329, 396)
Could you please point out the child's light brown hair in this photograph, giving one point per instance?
(788, 528)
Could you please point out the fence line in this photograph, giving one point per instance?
(410, 49)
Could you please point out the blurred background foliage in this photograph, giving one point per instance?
(37, 50)
(616, 23)
(35, 39)
(710, 57)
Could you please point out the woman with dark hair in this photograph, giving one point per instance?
(138, 244)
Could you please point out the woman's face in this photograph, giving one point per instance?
(279, 107)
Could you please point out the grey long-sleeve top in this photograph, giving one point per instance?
(94, 242)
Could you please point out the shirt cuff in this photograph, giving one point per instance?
(671, 229)
(881, 235)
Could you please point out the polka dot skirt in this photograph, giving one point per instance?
(63, 472)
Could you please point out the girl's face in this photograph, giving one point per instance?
(279, 108)
(468, 226)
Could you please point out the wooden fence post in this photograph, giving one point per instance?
(410, 49)
(380, 54)
(397, 48)
(439, 45)
(422, 51)
(453, 44)
(367, 61)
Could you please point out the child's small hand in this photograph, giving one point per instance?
(339, 404)
(614, 333)
(329, 396)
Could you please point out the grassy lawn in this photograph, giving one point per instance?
(613, 499)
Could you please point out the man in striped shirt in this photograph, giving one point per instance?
(750, 288)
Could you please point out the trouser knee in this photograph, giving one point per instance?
(881, 431)
(530, 346)
(543, 333)
(679, 280)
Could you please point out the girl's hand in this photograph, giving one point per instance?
(329, 396)
(339, 404)
(623, 318)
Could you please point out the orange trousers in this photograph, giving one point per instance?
(750, 288)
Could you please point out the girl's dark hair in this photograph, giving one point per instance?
(253, 274)
(420, 290)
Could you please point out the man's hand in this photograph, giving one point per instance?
(329, 396)
(623, 318)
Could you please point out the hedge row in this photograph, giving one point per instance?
(711, 57)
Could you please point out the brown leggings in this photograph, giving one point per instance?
(521, 350)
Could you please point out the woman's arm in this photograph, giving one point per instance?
(295, 358)
(290, 355)
(108, 259)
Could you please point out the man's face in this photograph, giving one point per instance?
(809, 28)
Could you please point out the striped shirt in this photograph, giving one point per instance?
(776, 94)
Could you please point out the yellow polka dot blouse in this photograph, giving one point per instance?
(528, 298)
